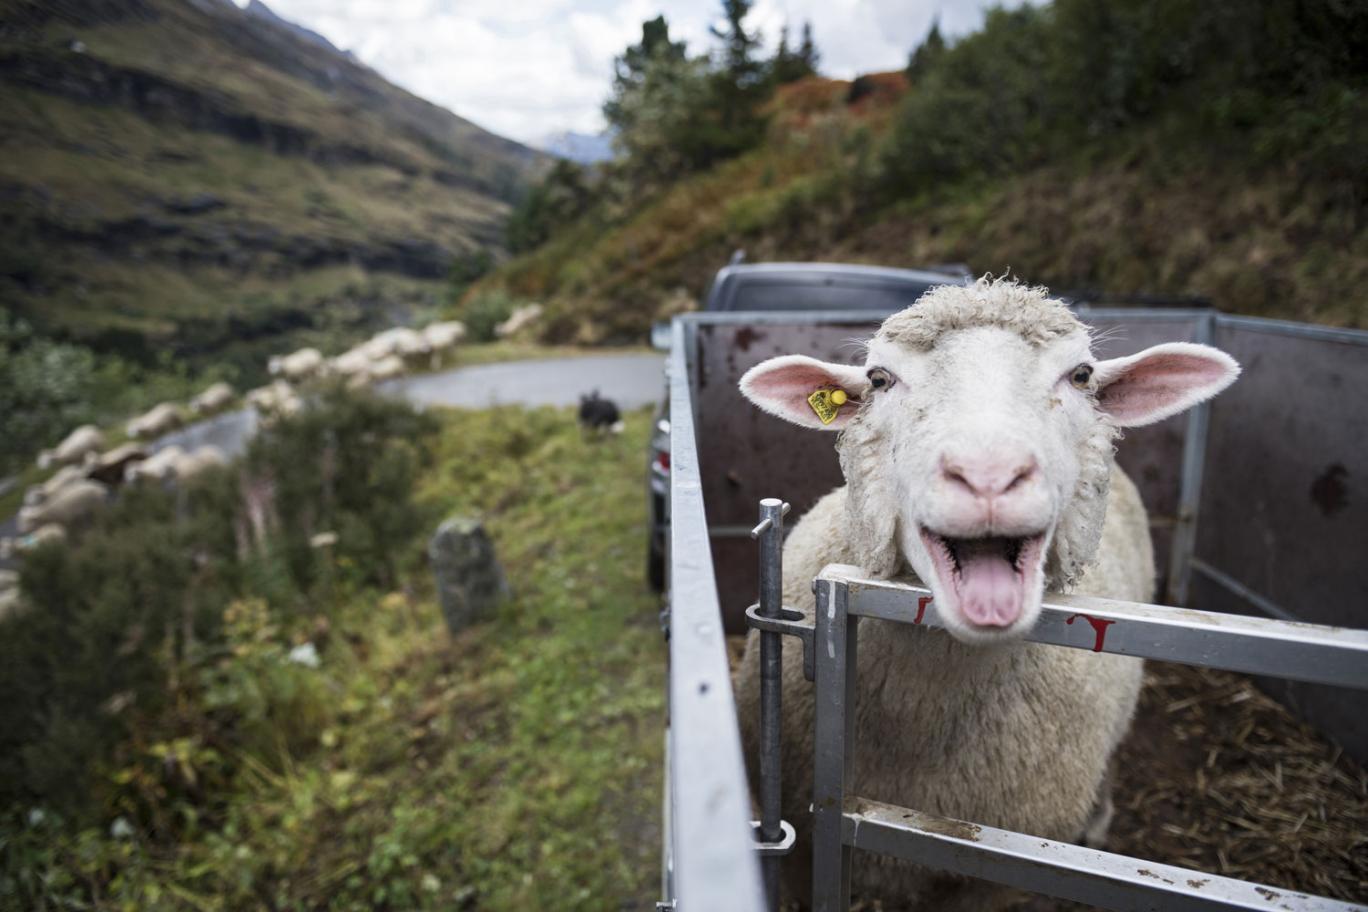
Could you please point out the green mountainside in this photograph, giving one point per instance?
(187, 179)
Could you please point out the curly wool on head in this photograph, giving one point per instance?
(1026, 310)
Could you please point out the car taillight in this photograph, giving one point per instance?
(663, 460)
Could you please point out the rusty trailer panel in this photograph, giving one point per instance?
(1284, 505)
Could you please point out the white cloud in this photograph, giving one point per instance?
(528, 68)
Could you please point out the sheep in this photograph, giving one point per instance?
(387, 368)
(276, 400)
(81, 442)
(36, 494)
(48, 532)
(355, 362)
(441, 337)
(190, 466)
(160, 466)
(520, 319)
(296, 366)
(111, 467)
(213, 400)
(157, 421)
(70, 505)
(400, 341)
(977, 447)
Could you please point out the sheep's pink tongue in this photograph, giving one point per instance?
(990, 591)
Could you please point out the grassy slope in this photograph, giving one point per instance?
(516, 766)
(314, 235)
(1127, 215)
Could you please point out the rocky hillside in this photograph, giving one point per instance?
(185, 177)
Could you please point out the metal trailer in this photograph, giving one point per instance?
(1275, 467)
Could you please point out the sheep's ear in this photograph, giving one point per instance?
(1161, 381)
(783, 386)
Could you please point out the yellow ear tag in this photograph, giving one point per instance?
(826, 403)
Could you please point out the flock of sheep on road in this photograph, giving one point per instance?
(86, 472)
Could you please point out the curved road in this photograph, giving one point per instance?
(630, 380)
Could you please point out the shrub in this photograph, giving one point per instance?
(485, 310)
(118, 661)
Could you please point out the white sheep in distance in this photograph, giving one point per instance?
(37, 493)
(48, 532)
(387, 368)
(521, 318)
(71, 505)
(194, 464)
(275, 400)
(160, 419)
(442, 337)
(74, 448)
(977, 447)
(160, 466)
(213, 400)
(296, 366)
(399, 341)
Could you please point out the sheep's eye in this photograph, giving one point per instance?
(880, 379)
(1081, 375)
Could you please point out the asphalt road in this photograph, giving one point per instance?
(630, 380)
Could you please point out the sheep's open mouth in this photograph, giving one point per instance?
(988, 579)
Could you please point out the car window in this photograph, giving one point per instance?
(840, 294)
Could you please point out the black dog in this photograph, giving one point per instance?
(599, 415)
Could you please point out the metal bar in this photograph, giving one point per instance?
(758, 317)
(1058, 868)
(1283, 649)
(1237, 588)
(1190, 490)
(1289, 328)
(836, 647)
(714, 860)
(771, 535)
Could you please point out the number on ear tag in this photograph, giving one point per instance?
(825, 403)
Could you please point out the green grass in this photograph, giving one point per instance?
(516, 766)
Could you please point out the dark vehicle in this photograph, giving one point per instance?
(784, 287)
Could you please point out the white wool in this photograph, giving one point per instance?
(1012, 734)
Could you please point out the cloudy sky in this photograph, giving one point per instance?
(529, 68)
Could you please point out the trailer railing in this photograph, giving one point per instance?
(709, 859)
(842, 822)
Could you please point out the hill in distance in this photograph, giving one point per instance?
(188, 177)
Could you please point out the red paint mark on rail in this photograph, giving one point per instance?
(1099, 627)
(922, 602)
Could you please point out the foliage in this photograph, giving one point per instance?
(1034, 83)
(789, 65)
(558, 199)
(484, 310)
(468, 268)
(673, 115)
(123, 625)
(926, 55)
(48, 387)
(407, 770)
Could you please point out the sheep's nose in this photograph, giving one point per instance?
(989, 477)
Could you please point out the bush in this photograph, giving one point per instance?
(117, 694)
(486, 310)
